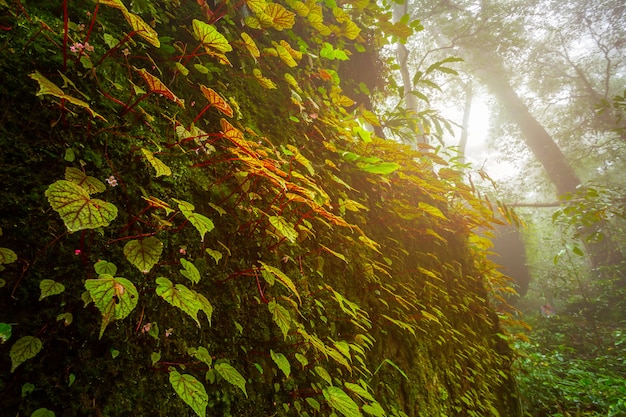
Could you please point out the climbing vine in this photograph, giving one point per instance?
(209, 210)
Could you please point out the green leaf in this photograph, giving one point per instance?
(191, 391)
(5, 332)
(190, 272)
(302, 359)
(202, 354)
(144, 254)
(103, 267)
(231, 375)
(282, 362)
(157, 164)
(285, 228)
(50, 287)
(24, 348)
(77, 210)
(282, 278)
(359, 390)
(375, 409)
(381, 168)
(67, 318)
(7, 256)
(340, 401)
(114, 297)
(216, 255)
(205, 305)
(42, 412)
(281, 317)
(313, 403)
(90, 184)
(179, 296)
(155, 357)
(323, 373)
(210, 38)
(202, 223)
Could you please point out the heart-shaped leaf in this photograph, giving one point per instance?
(202, 223)
(77, 210)
(190, 272)
(157, 86)
(114, 297)
(104, 267)
(50, 287)
(90, 184)
(281, 17)
(179, 296)
(7, 256)
(142, 28)
(144, 254)
(25, 348)
(191, 391)
(216, 255)
(202, 354)
(231, 375)
(284, 228)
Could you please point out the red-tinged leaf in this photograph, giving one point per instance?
(144, 254)
(156, 86)
(281, 17)
(297, 55)
(216, 100)
(256, 6)
(191, 391)
(77, 210)
(264, 81)
(114, 297)
(142, 28)
(210, 38)
(285, 56)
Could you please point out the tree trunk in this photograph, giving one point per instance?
(467, 111)
(539, 141)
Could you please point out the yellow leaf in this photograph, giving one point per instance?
(340, 15)
(265, 82)
(210, 38)
(285, 56)
(48, 87)
(256, 6)
(297, 55)
(217, 101)
(157, 164)
(113, 3)
(432, 210)
(299, 7)
(399, 29)
(292, 81)
(142, 28)
(282, 278)
(281, 17)
(350, 30)
(250, 45)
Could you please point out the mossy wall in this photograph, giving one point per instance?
(251, 251)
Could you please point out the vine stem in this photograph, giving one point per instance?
(93, 22)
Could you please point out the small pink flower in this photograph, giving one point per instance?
(77, 252)
(88, 47)
(146, 328)
(126, 51)
(193, 103)
(88, 13)
(182, 251)
(80, 27)
(112, 181)
(77, 47)
(169, 332)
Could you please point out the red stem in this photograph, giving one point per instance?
(93, 21)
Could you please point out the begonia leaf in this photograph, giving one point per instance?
(77, 210)
(24, 348)
(114, 297)
(144, 253)
(191, 391)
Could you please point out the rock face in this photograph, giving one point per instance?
(195, 222)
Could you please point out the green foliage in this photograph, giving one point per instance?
(369, 246)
